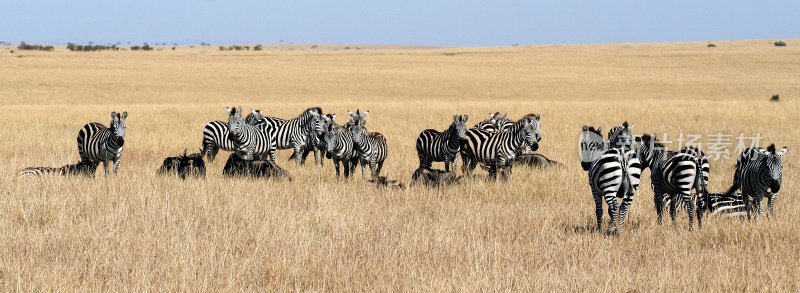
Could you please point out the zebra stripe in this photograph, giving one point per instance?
(371, 147)
(499, 149)
(249, 140)
(96, 143)
(215, 135)
(294, 133)
(339, 144)
(613, 173)
(435, 146)
(674, 175)
(759, 173)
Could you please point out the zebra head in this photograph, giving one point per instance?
(647, 146)
(118, 124)
(254, 117)
(235, 121)
(359, 131)
(621, 136)
(590, 143)
(532, 128)
(774, 165)
(459, 126)
(501, 122)
(332, 137)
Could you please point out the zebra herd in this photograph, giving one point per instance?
(615, 164)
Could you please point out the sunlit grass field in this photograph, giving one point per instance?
(138, 231)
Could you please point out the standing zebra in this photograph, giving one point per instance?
(435, 146)
(611, 175)
(371, 147)
(498, 150)
(339, 144)
(315, 142)
(620, 137)
(249, 140)
(673, 175)
(294, 133)
(96, 143)
(758, 173)
(215, 135)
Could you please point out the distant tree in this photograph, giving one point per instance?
(257, 47)
(780, 44)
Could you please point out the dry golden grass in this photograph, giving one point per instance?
(140, 232)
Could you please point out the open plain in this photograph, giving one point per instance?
(138, 231)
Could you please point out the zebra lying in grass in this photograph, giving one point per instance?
(184, 165)
(536, 160)
(433, 177)
(384, 182)
(86, 169)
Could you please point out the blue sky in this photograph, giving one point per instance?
(442, 23)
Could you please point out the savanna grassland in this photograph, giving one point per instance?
(138, 231)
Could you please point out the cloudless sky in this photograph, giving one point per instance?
(441, 23)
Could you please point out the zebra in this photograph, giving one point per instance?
(674, 175)
(499, 149)
(731, 205)
(249, 140)
(215, 135)
(758, 172)
(609, 177)
(620, 137)
(81, 168)
(339, 144)
(495, 123)
(96, 143)
(294, 133)
(371, 147)
(315, 141)
(435, 146)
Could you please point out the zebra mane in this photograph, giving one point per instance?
(376, 135)
(314, 109)
(592, 129)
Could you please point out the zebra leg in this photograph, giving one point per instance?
(748, 205)
(116, 165)
(465, 165)
(447, 164)
(687, 200)
(373, 168)
(336, 164)
(316, 157)
(760, 205)
(212, 153)
(298, 155)
(380, 166)
(771, 203)
(454, 162)
(105, 167)
(658, 199)
(272, 155)
(623, 210)
(673, 206)
(613, 212)
(363, 169)
(347, 168)
(598, 209)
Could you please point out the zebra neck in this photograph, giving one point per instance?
(114, 142)
(517, 138)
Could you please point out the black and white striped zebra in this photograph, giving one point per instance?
(315, 141)
(339, 144)
(99, 144)
(81, 168)
(759, 173)
(612, 174)
(498, 150)
(249, 140)
(294, 133)
(674, 175)
(215, 135)
(731, 205)
(435, 146)
(371, 148)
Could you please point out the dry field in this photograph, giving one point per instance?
(138, 232)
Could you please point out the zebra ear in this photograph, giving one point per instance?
(455, 118)
(466, 117)
(240, 109)
(333, 117)
(365, 113)
(252, 111)
(538, 116)
(228, 109)
(491, 115)
(782, 151)
(585, 127)
(113, 115)
(631, 127)
(600, 129)
(124, 115)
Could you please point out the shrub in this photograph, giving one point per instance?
(23, 46)
(91, 48)
(712, 46)
(780, 44)
(775, 98)
(257, 47)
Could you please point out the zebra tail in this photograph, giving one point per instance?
(702, 187)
